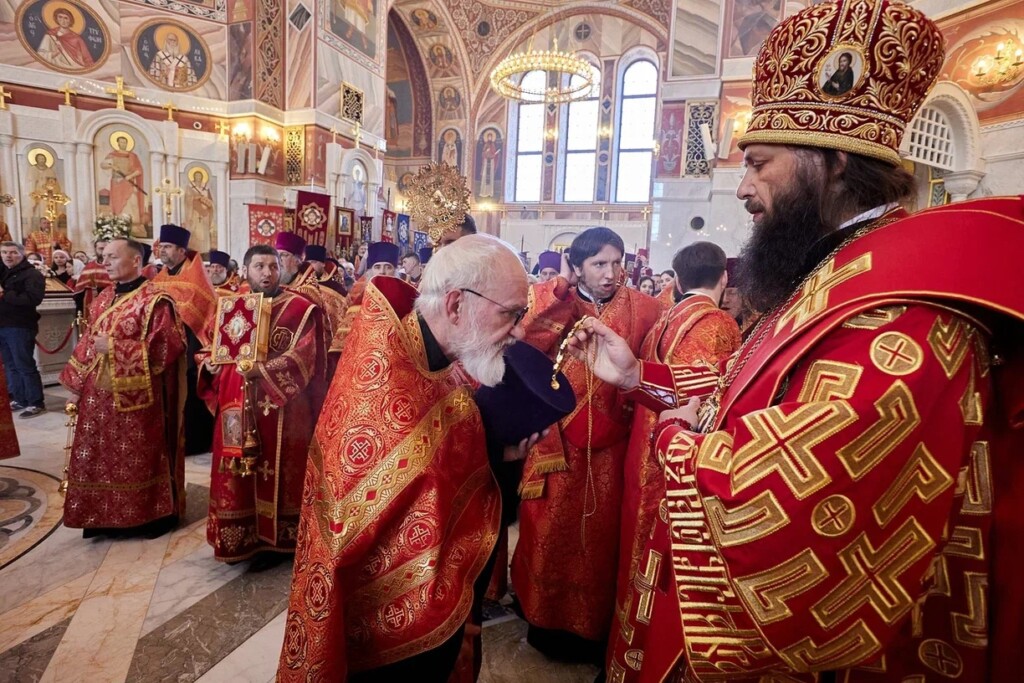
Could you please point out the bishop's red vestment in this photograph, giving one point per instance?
(8, 437)
(852, 499)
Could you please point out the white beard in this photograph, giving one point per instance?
(484, 364)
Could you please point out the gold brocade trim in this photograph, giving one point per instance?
(531, 490)
(354, 513)
(554, 462)
(812, 138)
(107, 486)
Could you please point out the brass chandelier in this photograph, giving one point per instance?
(507, 76)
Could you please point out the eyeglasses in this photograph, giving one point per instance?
(517, 315)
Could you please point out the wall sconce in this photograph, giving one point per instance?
(269, 135)
(241, 132)
(1002, 67)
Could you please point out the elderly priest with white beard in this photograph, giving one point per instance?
(401, 508)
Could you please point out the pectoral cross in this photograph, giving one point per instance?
(52, 199)
(266, 470)
(120, 91)
(357, 133)
(603, 212)
(169, 192)
(67, 92)
(3, 98)
(267, 406)
(170, 110)
(223, 128)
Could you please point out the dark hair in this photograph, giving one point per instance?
(138, 247)
(699, 265)
(591, 241)
(669, 271)
(861, 184)
(849, 57)
(100, 239)
(259, 250)
(468, 226)
(645, 277)
(411, 254)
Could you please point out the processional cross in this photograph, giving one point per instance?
(121, 92)
(52, 197)
(169, 192)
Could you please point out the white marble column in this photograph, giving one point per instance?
(86, 200)
(222, 235)
(9, 174)
(961, 184)
(71, 181)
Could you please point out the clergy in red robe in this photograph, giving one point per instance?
(126, 375)
(695, 332)
(92, 280)
(846, 505)
(563, 569)
(8, 437)
(401, 509)
(254, 507)
(381, 261)
(45, 239)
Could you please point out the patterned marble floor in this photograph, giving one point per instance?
(156, 610)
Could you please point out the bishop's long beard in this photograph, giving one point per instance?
(775, 258)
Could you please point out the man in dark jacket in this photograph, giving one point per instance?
(21, 291)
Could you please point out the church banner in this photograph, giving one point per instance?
(265, 221)
(366, 229)
(404, 242)
(312, 212)
(419, 241)
(387, 231)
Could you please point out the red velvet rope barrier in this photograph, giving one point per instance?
(60, 347)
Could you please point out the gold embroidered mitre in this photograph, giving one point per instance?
(846, 75)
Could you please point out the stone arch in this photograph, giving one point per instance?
(374, 177)
(92, 122)
(419, 85)
(968, 164)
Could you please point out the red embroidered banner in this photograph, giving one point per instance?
(312, 212)
(387, 231)
(265, 221)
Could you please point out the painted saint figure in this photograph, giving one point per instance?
(199, 207)
(172, 67)
(42, 178)
(490, 163)
(63, 47)
(127, 196)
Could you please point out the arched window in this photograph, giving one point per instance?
(530, 141)
(580, 163)
(636, 132)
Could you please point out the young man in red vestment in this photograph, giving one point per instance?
(846, 505)
(126, 469)
(694, 332)
(563, 569)
(257, 509)
(401, 510)
(92, 280)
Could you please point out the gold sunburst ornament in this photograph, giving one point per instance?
(438, 200)
(508, 76)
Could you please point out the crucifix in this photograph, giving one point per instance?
(170, 110)
(120, 91)
(223, 128)
(67, 92)
(603, 212)
(646, 212)
(4, 95)
(52, 197)
(169, 192)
